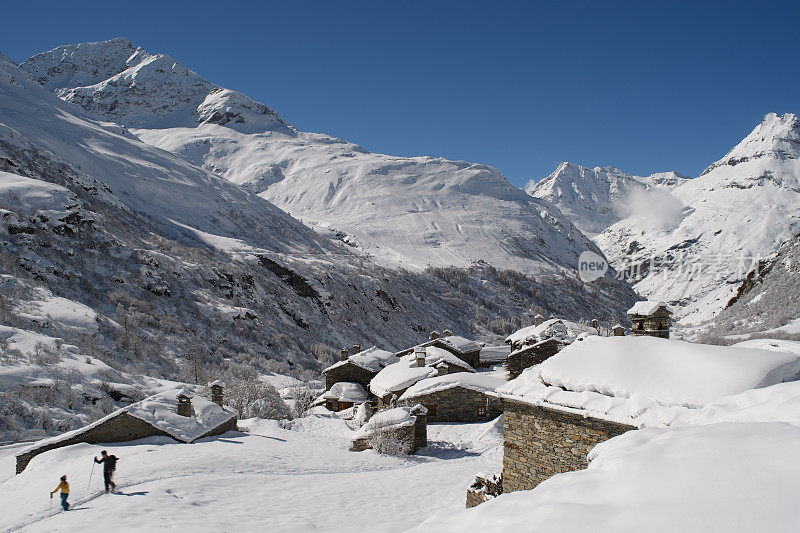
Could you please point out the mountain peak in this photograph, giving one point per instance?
(119, 82)
(776, 137)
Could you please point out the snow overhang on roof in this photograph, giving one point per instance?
(160, 411)
(646, 381)
(373, 359)
(467, 380)
(648, 307)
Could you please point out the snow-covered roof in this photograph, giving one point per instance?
(372, 359)
(460, 344)
(160, 411)
(345, 391)
(388, 419)
(468, 380)
(548, 328)
(647, 307)
(217, 383)
(494, 354)
(454, 343)
(404, 373)
(645, 381)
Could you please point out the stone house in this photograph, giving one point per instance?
(359, 368)
(465, 349)
(154, 416)
(344, 395)
(429, 361)
(459, 397)
(650, 318)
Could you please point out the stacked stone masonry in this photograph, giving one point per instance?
(459, 404)
(532, 355)
(541, 442)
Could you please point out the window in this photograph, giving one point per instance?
(431, 409)
(481, 411)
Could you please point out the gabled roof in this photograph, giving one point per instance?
(372, 359)
(467, 380)
(160, 411)
(494, 354)
(643, 380)
(453, 343)
(648, 307)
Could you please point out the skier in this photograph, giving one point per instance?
(64, 486)
(109, 466)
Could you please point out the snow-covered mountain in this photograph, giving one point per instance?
(124, 84)
(415, 212)
(593, 198)
(690, 241)
(695, 244)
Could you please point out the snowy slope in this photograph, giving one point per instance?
(185, 199)
(292, 480)
(740, 210)
(410, 211)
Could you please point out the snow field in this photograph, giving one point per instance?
(291, 480)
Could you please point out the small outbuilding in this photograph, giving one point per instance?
(175, 413)
(344, 395)
(459, 397)
(404, 428)
(650, 318)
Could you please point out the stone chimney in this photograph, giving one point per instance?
(343, 354)
(434, 335)
(185, 404)
(356, 348)
(217, 395)
(618, 330)
(446, 333)
(419, 356)
(537, 320)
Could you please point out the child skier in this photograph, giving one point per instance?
(64, 486)
(109, 466)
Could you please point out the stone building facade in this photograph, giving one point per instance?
(458, 404)
(527, 356)
(540, 442)
(348, 372)
(655, 323)
(415, 435)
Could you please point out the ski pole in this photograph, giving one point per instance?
(90, 477)
(51, 503)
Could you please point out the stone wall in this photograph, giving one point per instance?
(458, 404)
(541, 442)
(528, 356)
(348, 372)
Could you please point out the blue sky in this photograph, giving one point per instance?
(517, 85)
